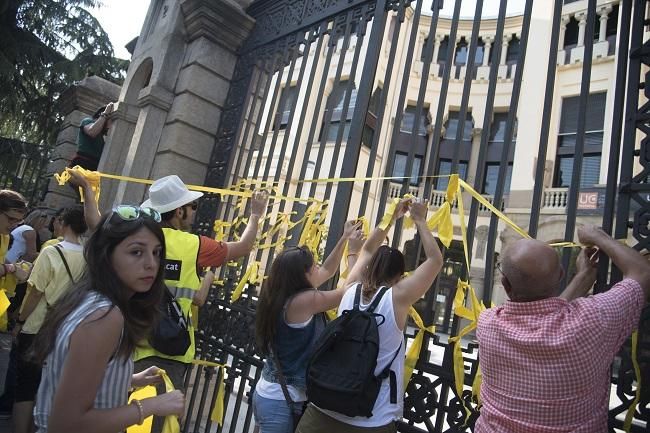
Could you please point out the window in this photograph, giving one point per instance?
(513, 50)
(444, 168)
(449, 149)
(290, 95)
(408, 119)
(571, 33)
(368, 133)
(337, 98)
(399, 168)
(493, 158)
(452, 126)
(461, 52)
(442, 51)
(593, 140)
(492, 176)
(480, 52)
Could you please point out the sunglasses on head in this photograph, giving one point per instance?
(132, 213)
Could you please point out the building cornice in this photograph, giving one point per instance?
(221, 21)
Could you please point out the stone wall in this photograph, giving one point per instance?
(171, 101)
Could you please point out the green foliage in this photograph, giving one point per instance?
(46, 46)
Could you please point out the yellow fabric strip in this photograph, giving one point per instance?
(250, 276)
(4, 302)
(218, 412)
(140, 394)
(413, 353)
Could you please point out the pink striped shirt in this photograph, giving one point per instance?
(546, 363)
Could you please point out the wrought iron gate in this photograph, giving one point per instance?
(321, 90)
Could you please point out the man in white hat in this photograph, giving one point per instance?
(187, 253)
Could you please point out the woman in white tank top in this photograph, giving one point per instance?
(380, 265)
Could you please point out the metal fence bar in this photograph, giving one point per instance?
(505, 151)
(353, 147)
(538, 188)
(572, 202)
(487, 126)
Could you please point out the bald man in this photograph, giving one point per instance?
(545, 358)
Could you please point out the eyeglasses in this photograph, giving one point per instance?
(132, 213)
(13, 220)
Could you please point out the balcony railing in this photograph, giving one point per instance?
(395, 188)
(555, 198)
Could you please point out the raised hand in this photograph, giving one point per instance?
(259, 201)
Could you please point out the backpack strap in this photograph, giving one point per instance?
(388, 372)
(65, 262)
(283, 380)
(357, 296)
(375, 302)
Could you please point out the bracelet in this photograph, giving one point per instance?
(138, 404)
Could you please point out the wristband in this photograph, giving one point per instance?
(138, 404)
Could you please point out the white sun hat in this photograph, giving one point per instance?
(169, 193)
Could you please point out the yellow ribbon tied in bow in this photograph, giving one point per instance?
(442, 217)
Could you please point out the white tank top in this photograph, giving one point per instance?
(390, 339)
(19, 245)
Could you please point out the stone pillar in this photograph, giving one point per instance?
(486, 50)
(436, 48)
(77, 102)
(563, 23)
(582, 23)
(602, 35)
(175, 91)
(504, 48)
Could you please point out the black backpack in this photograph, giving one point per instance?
(341, 372)
(170, 335)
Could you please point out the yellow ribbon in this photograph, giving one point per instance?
(141, 394)
(218, 412)
(4, 301)
(413, 352)
(442, 217)
(250, 276)
(92, 177)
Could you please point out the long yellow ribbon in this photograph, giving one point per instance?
(413, 353)
(250, 276)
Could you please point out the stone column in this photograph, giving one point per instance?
(582, 23)
(77, 102)
(563, 23)
(603, 13)
(436, 48)
(504, 48)
(486, 49)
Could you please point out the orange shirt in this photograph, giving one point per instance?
(211, 252)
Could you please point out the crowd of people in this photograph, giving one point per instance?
(87, 323)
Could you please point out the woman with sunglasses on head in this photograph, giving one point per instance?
(88, 338)
(288, 322)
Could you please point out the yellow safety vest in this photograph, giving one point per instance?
(7, 282)
(182, 252)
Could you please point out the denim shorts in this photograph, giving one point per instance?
(273, 416)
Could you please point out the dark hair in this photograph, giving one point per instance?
(99, 112)
(139, 310)
(56, 216)
(73, 217)
(12, 200)
(287, 277)
(385, 265)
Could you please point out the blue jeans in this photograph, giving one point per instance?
(273, 416)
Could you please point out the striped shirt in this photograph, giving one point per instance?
(113, 390)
